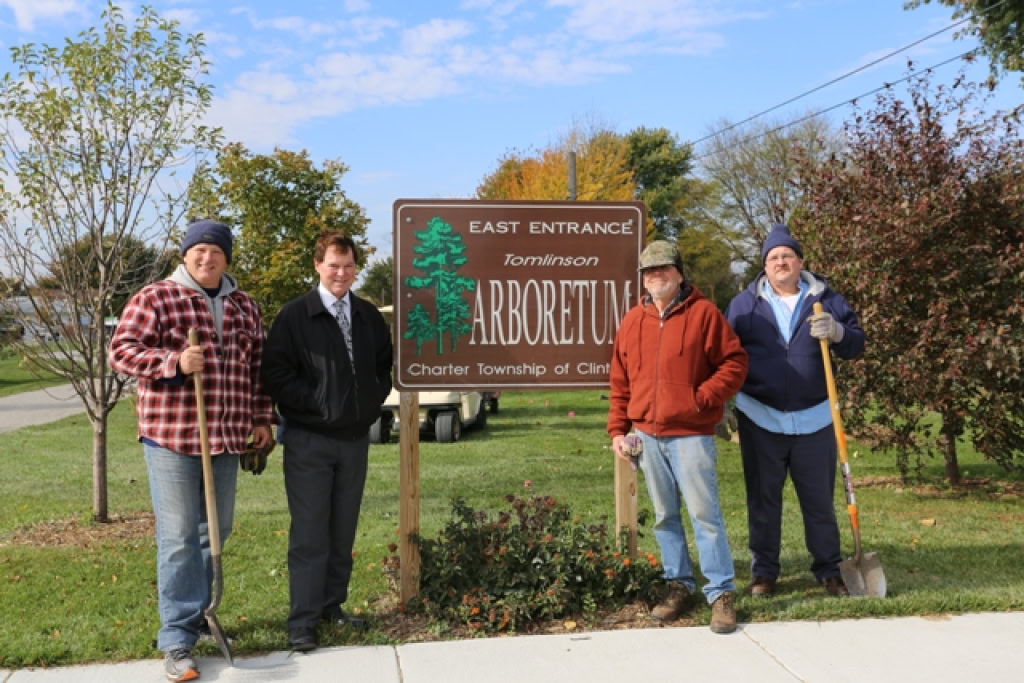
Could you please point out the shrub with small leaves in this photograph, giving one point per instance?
(531, 563)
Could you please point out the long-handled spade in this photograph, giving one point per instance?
(212, 521)
(862, 573)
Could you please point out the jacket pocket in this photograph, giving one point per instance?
(677, 404)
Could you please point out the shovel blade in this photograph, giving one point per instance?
(864, 577)
(218, 635)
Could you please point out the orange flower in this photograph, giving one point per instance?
(625, 562)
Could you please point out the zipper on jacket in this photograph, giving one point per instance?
(657, 370)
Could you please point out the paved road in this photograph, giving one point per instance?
(38, 407)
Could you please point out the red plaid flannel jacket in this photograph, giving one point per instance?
(150, 336)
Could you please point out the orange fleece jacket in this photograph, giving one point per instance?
(672, 376)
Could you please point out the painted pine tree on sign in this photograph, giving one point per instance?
(441, 253)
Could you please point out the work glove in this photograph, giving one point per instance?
(824, 326)
(634, 448)
(254, 459)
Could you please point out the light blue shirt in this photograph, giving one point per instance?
(770, 419)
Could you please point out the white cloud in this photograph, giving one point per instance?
(436, 33)
(677, 21)
(188, 18)
(227, 43)
(28, 12)
(296, 25)
(368, 61)
(356, 6)
(276, 87)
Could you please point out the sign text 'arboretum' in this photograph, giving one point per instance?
(511, 294)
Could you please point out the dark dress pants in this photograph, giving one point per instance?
(810, 459)
(324, 480)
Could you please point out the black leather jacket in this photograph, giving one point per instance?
(307, 372)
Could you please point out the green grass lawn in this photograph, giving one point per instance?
(16, 378)
(942, 550)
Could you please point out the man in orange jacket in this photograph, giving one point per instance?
(674, 365)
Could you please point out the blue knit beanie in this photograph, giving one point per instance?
(780, 237)
(208, 231)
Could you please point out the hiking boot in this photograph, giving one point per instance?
(674, 603)
(180, 666)
(762, 587)
(723, 613)
(835, 587)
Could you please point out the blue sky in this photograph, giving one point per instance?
(420, 99)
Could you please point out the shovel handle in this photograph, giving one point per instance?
(837, 425)
(212, 521)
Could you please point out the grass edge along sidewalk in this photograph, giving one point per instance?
(74, 592)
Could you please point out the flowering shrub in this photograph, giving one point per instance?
(531, 563)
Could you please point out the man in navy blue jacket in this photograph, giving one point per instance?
(785, 422)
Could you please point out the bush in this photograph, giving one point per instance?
(532, 563)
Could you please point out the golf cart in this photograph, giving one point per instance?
(443, 414)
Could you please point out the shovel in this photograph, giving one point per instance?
(212, 521)
(862, 573)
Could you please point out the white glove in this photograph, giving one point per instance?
(824, 326)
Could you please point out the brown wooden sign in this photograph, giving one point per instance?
(511, 294)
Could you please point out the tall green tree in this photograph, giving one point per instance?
(277, 205)
(91, 133)
(379, 282)
(441, 253)
(660, 164)
(920, 223)
(996, 23)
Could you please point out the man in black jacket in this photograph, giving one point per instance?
(327, 365)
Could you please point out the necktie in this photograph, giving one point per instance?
(346, 326)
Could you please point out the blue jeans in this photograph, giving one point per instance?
(184, 571)
(687, 465)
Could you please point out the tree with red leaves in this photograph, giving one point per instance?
(920, 223)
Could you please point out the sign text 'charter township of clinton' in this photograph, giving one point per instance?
(512, 294)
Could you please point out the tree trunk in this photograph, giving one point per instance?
(950, 428)
(99, 469)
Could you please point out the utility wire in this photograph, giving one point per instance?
(834, 80)
(833, 107)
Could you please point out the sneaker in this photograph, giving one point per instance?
(762, 587)
(835, 587)
(723, 613)
(673, 604)
(179, 665)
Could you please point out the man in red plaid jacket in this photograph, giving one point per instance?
(151, 344)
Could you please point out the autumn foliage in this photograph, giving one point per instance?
(919, 222)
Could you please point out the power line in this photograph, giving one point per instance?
(833, 107)
(834, 80)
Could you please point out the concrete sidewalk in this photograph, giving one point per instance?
(38, 407)
(949, 648)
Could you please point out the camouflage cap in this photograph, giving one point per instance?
(660, 253)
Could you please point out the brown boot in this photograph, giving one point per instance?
(835, 587)
(674, 603)
(762, 587)
(723, 614)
